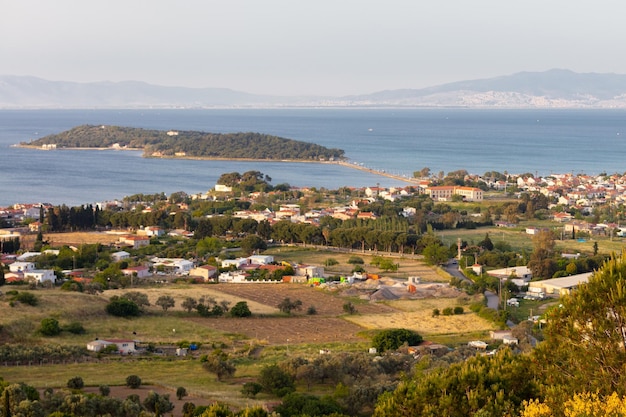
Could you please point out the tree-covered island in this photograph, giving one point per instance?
(190, 144)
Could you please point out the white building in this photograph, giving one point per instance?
(21, 266)
(124, 346)
(119, 256)
(261, 259)
(227, 263)
(233, 277)
(40, 275)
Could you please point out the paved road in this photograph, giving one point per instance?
(493, 301)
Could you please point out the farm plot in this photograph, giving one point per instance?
(325, 302)
(288, 330)
(418, 315)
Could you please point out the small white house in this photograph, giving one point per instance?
(227, 263)
(124, 346)
(40, 275)
(119, 256)
(233, 277)
(21, 266)
(261, 259)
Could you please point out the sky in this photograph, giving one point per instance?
(315, 47)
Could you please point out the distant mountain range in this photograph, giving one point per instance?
(550, 89)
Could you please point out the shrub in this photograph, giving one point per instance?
(240, 309)
(180, 393)
(122, 307)
(251, 389)
(26, 297)
(458, 310)
(50, 327)
(75, 383)
(356, 260)
(311, 311)
(133, 381)
(448, 311)
(349, 308)
(105, 390)
(331, 262)
(75, 328)
(436, 312)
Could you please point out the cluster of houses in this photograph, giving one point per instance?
(20, 269)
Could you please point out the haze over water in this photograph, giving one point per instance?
(399, 141)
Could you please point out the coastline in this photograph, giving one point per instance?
(343, 163)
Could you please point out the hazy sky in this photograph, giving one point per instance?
(294, 47)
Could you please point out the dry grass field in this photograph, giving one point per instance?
(417, 315)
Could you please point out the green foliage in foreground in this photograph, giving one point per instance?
(480, 386)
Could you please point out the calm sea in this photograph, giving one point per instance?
(399, 141)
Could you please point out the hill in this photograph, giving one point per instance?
(556, 88)
(190, 144)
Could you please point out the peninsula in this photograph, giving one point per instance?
(188, 144)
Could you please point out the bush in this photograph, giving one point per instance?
(392, 339)
(75, 328)
(240, 309)
(122, 307)
(349, 308)
(133, 381)
(180, 393)
(436, 312)
(448, 311)
(251, 389)
(311, 311)
(50, 327)
(331, 262)
(75, 383)
(27, 298)
(356, 260)
(458, 310)
(105, 390)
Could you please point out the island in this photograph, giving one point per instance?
(188, 144)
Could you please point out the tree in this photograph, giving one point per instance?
(240, 309)
(435, 254)
(287, 306)
(165, 302)
(219, 364)
(139, 298)
(75, 383)
(189, 304)
(392, 339)
(180, 393)
(105, 390)
(585, 336)
(157, 403)
(541, 263)
(252, 243)
(133, 381)
(275, 380)
(486, 243)
(50, 327)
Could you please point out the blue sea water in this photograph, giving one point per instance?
(398, 141)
